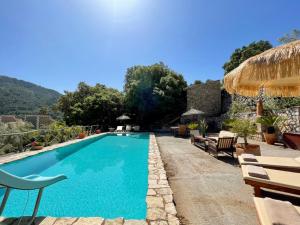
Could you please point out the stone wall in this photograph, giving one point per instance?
(293, 119)
(205, 97)
(226, 100)
(292, 123)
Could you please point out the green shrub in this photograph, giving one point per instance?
(271, 122)
(243, 128)
(193, 126)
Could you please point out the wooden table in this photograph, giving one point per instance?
(201, 142)
(173, 130)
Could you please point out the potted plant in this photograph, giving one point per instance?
(203, 127)
(270, 123)
(81, 135)
(244, 128)
(193, 126)
(35, 145)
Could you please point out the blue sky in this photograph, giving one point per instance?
(58, 43)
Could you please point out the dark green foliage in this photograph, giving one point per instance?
(154, 93)
(91, 105)
(21, 97)
(197, 82)
(244, 53)
(293, 36)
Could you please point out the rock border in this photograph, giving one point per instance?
(159, 200)
(160, 205)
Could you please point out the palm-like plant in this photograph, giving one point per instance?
(243, 128)
(203, 127)
(271, 122)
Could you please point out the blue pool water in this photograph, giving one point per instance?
(107, 177)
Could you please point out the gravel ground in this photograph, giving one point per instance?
(209, 190)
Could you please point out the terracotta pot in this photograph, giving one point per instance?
(292, 140)
(81, 135)
(248, 149)
(37, 147)
(98, 131)
(270, 138)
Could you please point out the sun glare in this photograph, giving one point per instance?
(120, 8)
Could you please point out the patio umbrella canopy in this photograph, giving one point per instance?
(192, 112)
(277, 70)
(123, 117)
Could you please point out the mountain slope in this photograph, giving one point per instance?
(21, 97)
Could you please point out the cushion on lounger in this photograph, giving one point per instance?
(281, 212)
(297, 159)
(257, 171)
(249, 158)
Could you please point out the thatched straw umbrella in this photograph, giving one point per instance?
(276, 70)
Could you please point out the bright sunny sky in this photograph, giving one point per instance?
(58, 43)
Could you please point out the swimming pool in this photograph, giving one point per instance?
(107, 177)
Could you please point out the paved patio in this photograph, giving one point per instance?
(209, 190)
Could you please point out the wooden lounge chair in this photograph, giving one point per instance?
(270, 212)
(195, 135)
(224, 144)
(279, 163)
(224, 133)
(277, 180)
(198, 140)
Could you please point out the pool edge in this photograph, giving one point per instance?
(159, 198)
(22, 155)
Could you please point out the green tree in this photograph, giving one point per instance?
(91, 105)
(241, 54)
(292, 36)
(44, 110)
(154, 93)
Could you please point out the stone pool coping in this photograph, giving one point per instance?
(160, 205)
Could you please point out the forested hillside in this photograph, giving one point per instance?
(21, 97)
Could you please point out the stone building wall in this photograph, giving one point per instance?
(7, 118)
(205, 97)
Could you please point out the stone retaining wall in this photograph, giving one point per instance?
(292, 124)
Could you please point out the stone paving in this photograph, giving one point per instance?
(160, 206)
(209, 190)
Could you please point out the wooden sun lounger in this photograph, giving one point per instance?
(279, 163)
(282, 181)
(264, 216)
